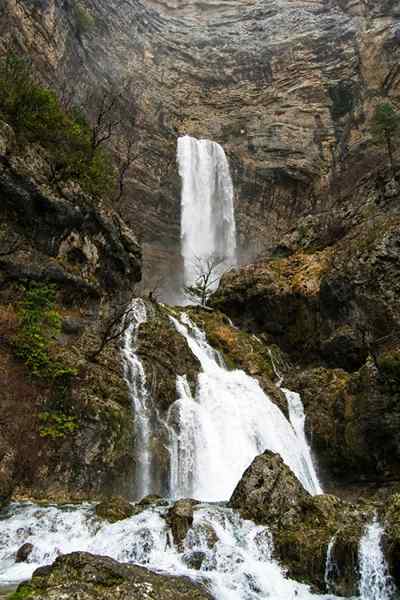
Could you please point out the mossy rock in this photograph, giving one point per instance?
(114, 509)
(92, 577)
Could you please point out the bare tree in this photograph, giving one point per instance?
(105, 108)
(128, 151)
(207, 273)
(114, 328)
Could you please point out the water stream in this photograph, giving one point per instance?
(375, 581)
(208, 229)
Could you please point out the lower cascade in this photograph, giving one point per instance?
(375, 581)
(212, 436)
(238, 566)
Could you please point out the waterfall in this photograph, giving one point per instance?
(208, 229)
(238, 565)
(297, 419)
(229, 422)
(136, 380)
(375, 581)
(330, 566)
(150, 430)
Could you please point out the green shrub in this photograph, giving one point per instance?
(84, 21)
(39, 324)
(37, 116)
(23, 592)
(57, 425)
(389, 368)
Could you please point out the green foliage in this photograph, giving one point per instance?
(57, 425)
(389, 368)
(385, 122)
(39, 324)
(37, 116)
(84, 21)
(23, 592)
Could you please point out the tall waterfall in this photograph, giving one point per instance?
(207, 217)
(375, 581)
(226, 426)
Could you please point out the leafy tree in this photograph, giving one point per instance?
(385, 129)
(74, 149)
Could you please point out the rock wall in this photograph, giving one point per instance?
(65, 418)
(286, 87)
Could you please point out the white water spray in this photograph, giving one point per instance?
(375, 581)
(226, 426)
(236, 565)
(207, 217)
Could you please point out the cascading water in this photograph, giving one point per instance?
(297, 419)
(207, 217)
(136, 380)
(149, 427)
(375, 581)
(238, 566)
(330, 566)
(227, 425)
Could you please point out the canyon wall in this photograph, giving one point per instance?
(286, 86)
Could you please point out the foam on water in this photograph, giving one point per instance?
(237, 565)
(229, 422)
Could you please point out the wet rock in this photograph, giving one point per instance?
(268, 492)
(153, 500)
(114, 509)
(194, 560)
(23, 553)
(100, 578)
(180, 519)
(302, 525)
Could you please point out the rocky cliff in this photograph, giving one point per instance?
(66, 265)
(287, 87)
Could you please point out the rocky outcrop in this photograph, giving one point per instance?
(269, 492)
(71, 431)
(303, 526)
(114, 509)
(99, 578)
(352, 420)
(333, 306)
(180, 520)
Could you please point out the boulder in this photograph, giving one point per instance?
(87, 577)
(268, 492)
(180, 520)
(23, 553)
(303, 526)
(153, 500)
(115, 509)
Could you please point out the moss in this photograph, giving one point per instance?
(389, 368)
(238, 348)
(24, 591)
(57, 425)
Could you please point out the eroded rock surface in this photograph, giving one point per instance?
(100, 578)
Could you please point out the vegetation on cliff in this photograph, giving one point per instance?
(37, 117)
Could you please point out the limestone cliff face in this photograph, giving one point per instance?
(286, 86)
